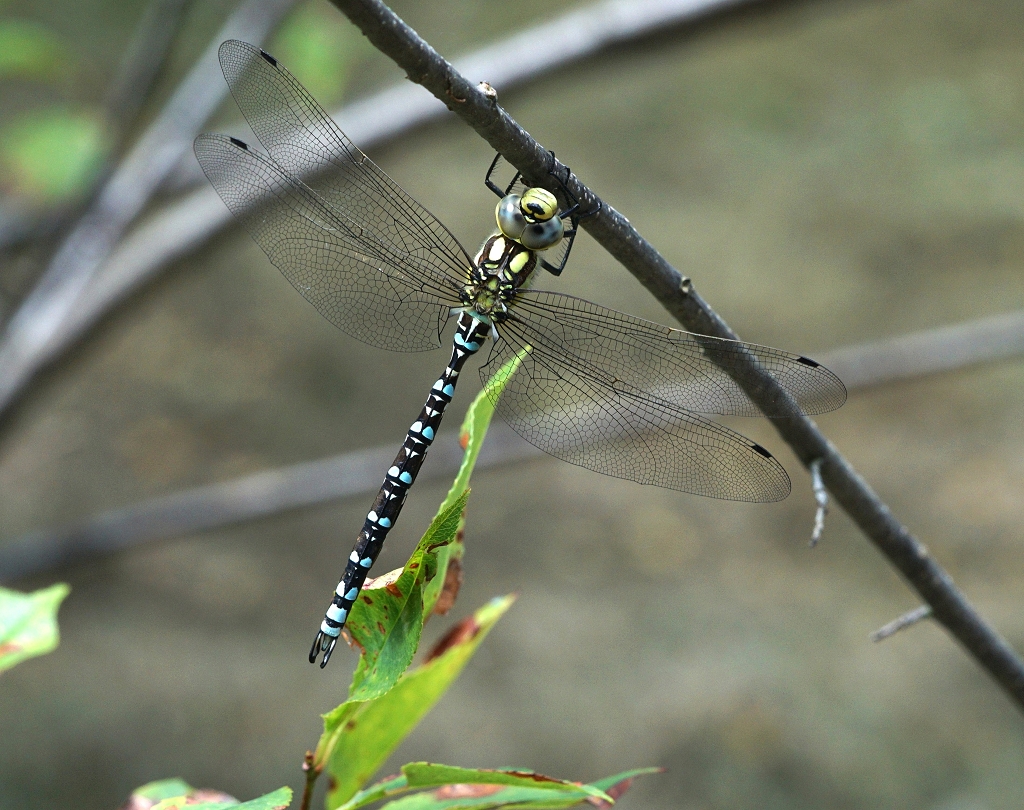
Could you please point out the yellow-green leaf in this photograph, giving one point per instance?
(359, 736)
(30, 51)
(471, 436)
(52, 155)
(28, 623)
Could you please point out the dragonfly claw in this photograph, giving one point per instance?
(322, 643)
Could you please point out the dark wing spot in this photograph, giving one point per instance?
(758, 449)
(268, 57)
(240, 144)
(807, 361)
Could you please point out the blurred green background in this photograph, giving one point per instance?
(827, 173)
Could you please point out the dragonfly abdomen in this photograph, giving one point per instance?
(469, 337)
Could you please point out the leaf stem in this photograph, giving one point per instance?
(312, 771)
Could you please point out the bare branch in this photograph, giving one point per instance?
(143, 60)
(425, 66)
(246, 498)
(184, 225)
(931, 351)
(908, 619)
(26, 343)
(266, 493)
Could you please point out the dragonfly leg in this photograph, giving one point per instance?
(492, 185)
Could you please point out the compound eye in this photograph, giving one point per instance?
(511, 221)
(539, 204)
(542, 235)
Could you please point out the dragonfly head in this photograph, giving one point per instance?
(531, 218)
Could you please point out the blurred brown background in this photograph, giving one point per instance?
(827, 173)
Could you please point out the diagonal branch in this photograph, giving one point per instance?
(425, 66)
(186, 223)
(143, 62)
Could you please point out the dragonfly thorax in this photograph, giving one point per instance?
(502, 267)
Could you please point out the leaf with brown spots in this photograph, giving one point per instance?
(450, 589)
(427, 774)
(387, 619)
(484, 789)
(471, 437)
(359, 736)
(173, 794)
(461, 791)
(461, 633)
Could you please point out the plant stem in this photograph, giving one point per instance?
(312, 771)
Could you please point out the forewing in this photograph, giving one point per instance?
(364, 286)
(554, 403)
(306, 143)
(677, 368)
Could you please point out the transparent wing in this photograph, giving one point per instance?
(363, 284)
(575, 412)
(306, 143)
(678, 368)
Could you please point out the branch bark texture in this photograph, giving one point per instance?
(425, 66)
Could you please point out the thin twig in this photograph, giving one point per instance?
(143, 61)
(25, 345)
(930, 351)
(312, 771)
(229, 502)
(129, 90)
(821, 499)
(908, 619)
(609, 228)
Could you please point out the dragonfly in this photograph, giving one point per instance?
(615, 394)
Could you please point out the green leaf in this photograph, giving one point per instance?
(616, 785)
(471, 436)
(483, 797)
(387, 619)
(52, 154)
(470, 789)
(374, 793)
(30, 51)
(359, 736)
(28, 623)
(388, 616)
(162, 789)
(277, 800)
(427, 774)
